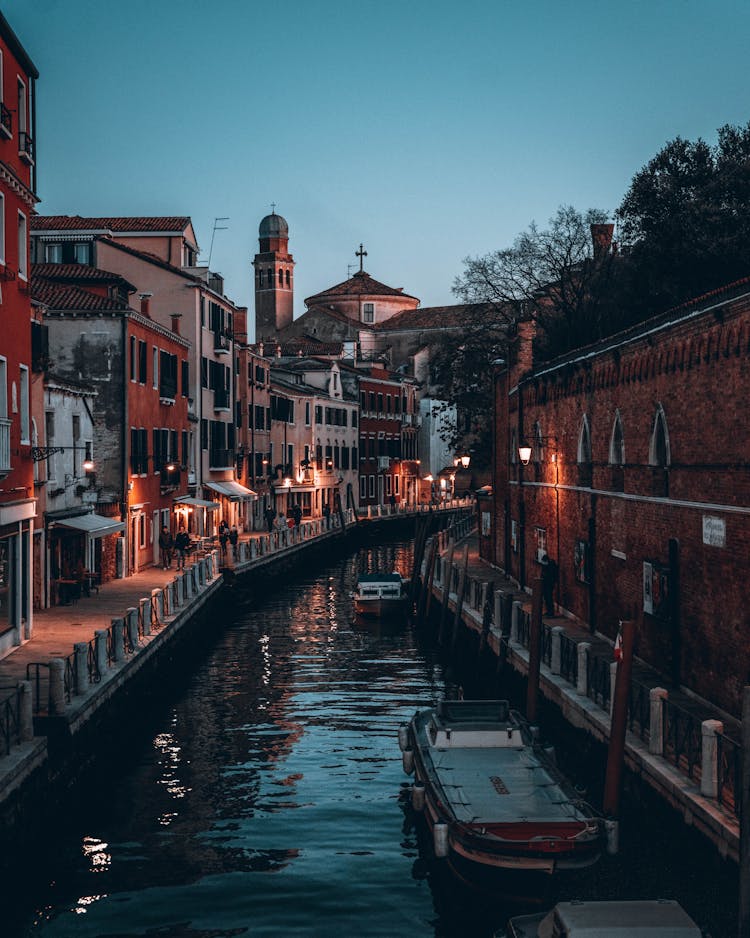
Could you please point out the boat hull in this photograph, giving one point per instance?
(573, 840)
(379, 608)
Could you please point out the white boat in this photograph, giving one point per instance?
(654, 918)
(380, 594)
(492, 795)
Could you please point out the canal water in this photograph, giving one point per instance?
(266, 797)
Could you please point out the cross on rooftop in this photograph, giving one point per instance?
(273, 208)
(361, 254)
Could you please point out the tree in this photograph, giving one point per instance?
(685, 220)
(551, 275)
(461, 376)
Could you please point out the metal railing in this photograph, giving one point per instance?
(568, 659)
(682, 739)
(10, 718)
(639, 709)
(598, 680)
(729, 763)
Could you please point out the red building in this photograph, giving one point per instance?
(388, 466)
(628, 463)
(140, 433)
(17, 200)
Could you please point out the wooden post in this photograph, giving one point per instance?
(535, 651)
(460, 595)
(427, 600)
(744, 910)
(616, 755)
(447, 577)
(506, 615)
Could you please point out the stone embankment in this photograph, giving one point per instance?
(680, 746)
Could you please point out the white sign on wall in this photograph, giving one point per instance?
(714, 531)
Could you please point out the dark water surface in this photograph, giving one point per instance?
(269, 799)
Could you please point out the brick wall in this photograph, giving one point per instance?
(688, 516)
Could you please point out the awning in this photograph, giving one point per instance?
(196, 502)
(232, 490)
(93, 524)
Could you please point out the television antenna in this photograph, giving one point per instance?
(217, 227)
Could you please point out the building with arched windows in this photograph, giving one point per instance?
(635, 478)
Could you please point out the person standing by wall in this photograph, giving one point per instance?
(166, 545)
(181, 544)
(549, 579)
(234, 539)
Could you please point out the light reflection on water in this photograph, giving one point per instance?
(271, 801)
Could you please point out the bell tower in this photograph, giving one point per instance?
(274, 279)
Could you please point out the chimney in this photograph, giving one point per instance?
(145, 303)
(601, 238)
(176, 317)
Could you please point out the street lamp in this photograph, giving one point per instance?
(525, 449)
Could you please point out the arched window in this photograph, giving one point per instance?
(513, 447)
(538, 444)
(287, 278)
(584, 442)
(281, 277)
(658, 451)
(617, 443)
(585, 467)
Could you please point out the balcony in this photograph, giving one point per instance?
(221, 459)
(221, 400)
(25, 146)
(384, 462)
(222, 342)
(4, 447)
(6, 122)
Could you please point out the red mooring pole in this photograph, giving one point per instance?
(616, 756)
(535, 651)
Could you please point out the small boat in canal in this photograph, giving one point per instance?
(649, 918)
(380, 595)
(492, 795)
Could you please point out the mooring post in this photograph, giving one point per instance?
(463, 577)
(535, 651)
(616, 755)
(118, 639)
(81, 659)
(26, 716)
(447, 579)
(100, 646)
(56, 700)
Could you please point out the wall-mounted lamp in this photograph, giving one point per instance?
(525, 449)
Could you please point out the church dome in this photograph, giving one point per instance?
(273, 226)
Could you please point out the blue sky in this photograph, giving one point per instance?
(427, 130)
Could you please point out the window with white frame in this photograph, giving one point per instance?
(23, 247)
(53, 253)
(368, 312)
(363, 486)
(24, 405)
(372, 486)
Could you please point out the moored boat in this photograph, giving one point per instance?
(379, 595)
(655, 918)
(491, 794)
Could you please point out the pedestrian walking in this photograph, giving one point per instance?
(297, 514)
(166, 545)
(549, 578)
(181, 543)
(234, 539)
(223, 537)
(270, 516)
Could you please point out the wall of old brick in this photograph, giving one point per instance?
(691, 518)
